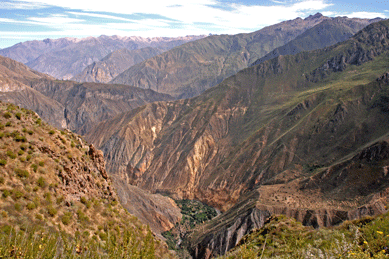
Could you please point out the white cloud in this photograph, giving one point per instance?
(55, 20)
(21, 5)
(105, 16)
(194, 11)
(367, 15)
(176, 17)
(7, 20)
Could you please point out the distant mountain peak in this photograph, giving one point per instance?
(315, 16)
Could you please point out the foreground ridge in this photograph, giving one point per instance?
(57, 199)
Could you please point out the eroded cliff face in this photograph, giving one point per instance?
(354, 188)
(227, 236)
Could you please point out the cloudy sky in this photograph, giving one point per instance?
(22, 20)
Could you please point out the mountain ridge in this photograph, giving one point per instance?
(190, 69)
(65, 57)
(113, 64)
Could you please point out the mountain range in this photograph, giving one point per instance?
(291, 119)
(189, 69)
(64, 58)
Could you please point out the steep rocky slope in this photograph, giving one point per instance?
(57, 199)
(265, 133)
(86, 104)
(79, 107)
(192, 68)
(15, 79)
(67, 104)
(66, 57)
(15, 76)
(326, 33)
(113, 64)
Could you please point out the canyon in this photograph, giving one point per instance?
(291, 119)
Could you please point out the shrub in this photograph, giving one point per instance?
(17, 194)
(20, 138)
(38, 216)
(18, 206)
(18, 115)
(51, 211)
(31, 206)
(41, 163)
(1, 135)
(30, 132)
(2, 180)
(6, 193)
(22, 159)
(51, 132)
(28, 157)
(23, 147)
(12, 107)
(8, 124)
(82, 217)
(47, 196)
(83, 199)
(60, 199)
(7, 115)
(20, 152)
(66, 218)
(34, 167)
(11, 154)
(39, 121)
(1, 126)
(41, 182)
(22, 173)
(3, 162)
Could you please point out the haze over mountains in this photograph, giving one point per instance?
(66, 57)
(290, 119)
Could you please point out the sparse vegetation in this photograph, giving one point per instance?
(11, 154)
(22, 173)
(283, 237)
(7, 115)
(41, 182)
(18, 115)
(39, 218)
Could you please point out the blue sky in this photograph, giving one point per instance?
(22, 20)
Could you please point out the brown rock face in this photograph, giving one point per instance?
(98, 157)
(225, 236)
(159, 212)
